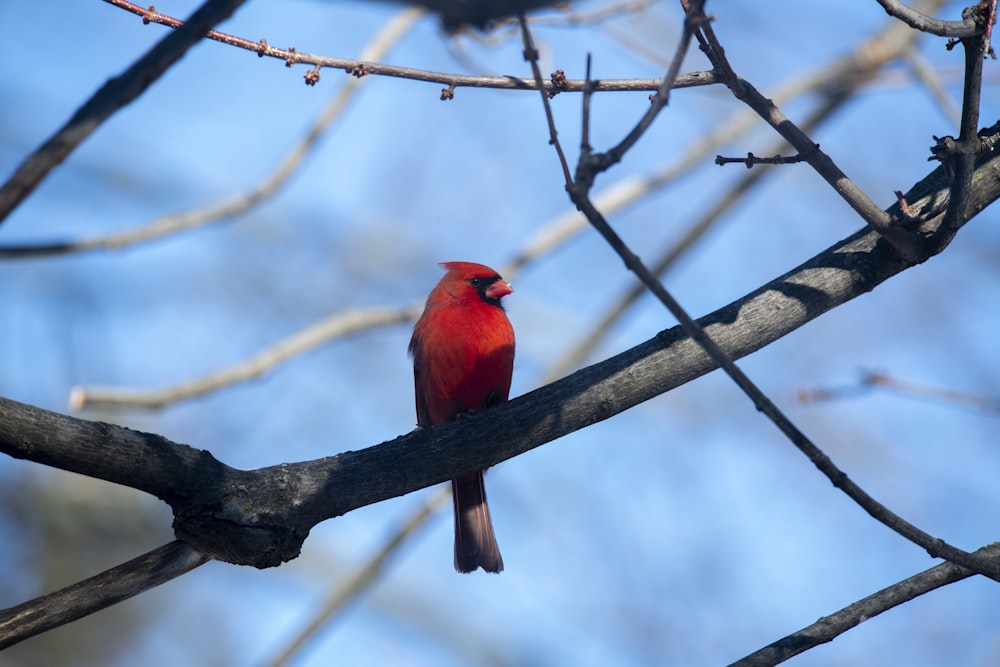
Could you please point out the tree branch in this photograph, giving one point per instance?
(359, 68)
(959, 155)
(531, 55)
(829, 627)
(111, 97)
(920, 21)
(872, 380)
(99, 592)
(261, 517)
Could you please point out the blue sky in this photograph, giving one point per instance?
(686, 531)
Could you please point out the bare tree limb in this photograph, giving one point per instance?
(920, 21)
(261, 517)
(830, 627)
(359, 68)
(99, 592)
(111, 97)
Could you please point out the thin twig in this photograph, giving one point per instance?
(872, 55)
(931, 392)
(602, 161)
(752, 160)
(111, 97)
(531, 55)
(292, 56)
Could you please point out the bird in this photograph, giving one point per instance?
(463, 359)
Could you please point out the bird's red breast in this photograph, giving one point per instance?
(463, 345)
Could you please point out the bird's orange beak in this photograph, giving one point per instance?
(498, 289)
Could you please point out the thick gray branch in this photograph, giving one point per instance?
(261, 517)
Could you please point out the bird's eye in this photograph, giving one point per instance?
(475, 282)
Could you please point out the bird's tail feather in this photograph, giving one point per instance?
(475, 543)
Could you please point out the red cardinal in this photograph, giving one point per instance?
(463, 357)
